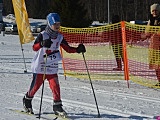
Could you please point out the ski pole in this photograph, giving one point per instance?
(25, 71)
(44, 75)
(39, 116)
(91, 86)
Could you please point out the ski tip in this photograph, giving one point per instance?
(55, 118)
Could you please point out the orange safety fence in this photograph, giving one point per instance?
(114, 52)
(143, 53)
(99, 56)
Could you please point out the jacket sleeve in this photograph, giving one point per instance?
(37, 43)
(68, 48)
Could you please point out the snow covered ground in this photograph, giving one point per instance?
(115, 100)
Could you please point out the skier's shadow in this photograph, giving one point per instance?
(103, 116)
(73, 116)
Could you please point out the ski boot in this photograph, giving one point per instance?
(58, 110)
(119, 65)
(27, 104)
(117, 69)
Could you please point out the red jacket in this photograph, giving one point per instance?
(37, 45)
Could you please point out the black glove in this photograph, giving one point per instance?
(46, 43)
(81, 48)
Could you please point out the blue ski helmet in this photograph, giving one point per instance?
(52, 18)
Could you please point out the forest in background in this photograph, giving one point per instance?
(96, 10)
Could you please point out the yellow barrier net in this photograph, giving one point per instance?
(100, 57)
(143, 54)
(104, 54)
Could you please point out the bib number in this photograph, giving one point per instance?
(54, 58)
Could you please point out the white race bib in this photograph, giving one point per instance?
(55, 57)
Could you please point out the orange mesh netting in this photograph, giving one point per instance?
(99, 56)
(143, 53)
(105, 53)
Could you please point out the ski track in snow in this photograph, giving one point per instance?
(103, 110)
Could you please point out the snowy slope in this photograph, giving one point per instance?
(115, 100)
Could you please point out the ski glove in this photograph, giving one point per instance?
(46, 43)
(81, 48)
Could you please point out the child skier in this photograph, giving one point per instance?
(47, 45)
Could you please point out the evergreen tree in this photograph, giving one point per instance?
(76, 13)
(72, 12)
